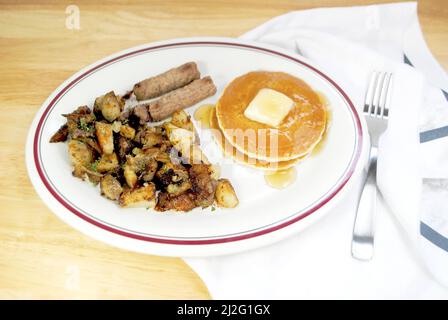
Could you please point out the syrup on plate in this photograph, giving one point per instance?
(202, 115)
(282, 178)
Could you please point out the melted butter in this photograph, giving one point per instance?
(269, 107)
(202, 115)
(281, 179)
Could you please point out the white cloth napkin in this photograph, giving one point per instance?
(412, 223)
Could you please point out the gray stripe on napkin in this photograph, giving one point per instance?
(433, 236)
(445, 94)
(433, 134)
(406, 60)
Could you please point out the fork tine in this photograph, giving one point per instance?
(377, 94)
(368, 100)
(385, 94)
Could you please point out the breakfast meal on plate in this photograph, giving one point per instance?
(143, 149)
(269, 121)
(139, 163)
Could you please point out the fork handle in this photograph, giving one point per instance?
(363, 230)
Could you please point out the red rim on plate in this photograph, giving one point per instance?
(245, 236)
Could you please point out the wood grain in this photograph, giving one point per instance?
(40, 256)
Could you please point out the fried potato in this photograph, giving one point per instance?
(116, 126)
(225, 194)
(184, 141)
(110, 187)
(203, 185)
(144, 196)
(80, 153)
(107, 162)
(149, 138)
(127, 132)
(130, 175)
(174, 178)
(109, 105)
(105, 137)
(182, 120)
(183, 202)
(84, 173)
(150, 170)
(141, 166)
(60, 135)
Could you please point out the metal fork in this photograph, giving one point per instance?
(376, 112)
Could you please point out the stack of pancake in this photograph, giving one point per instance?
(261, 145)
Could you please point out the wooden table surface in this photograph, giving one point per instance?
(40, 256)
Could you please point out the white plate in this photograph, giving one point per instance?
(264, 214)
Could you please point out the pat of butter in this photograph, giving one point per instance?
(269, 107)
